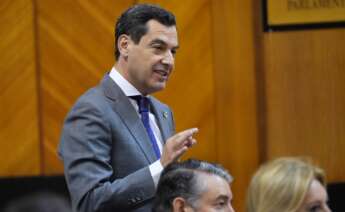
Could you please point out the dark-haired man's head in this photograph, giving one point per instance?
(146, 42)
(193, 185)
(133, 22)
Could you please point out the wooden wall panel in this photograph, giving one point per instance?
(76, 50)
(19, 128)
(235, 87)
(254, 95)
(304, 72)
(190, 91)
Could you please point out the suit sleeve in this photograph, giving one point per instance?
(85, 148)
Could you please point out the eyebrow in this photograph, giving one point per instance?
(161, 42)
(223, 197)
(313, 203)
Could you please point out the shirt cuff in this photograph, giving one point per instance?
(156, 169)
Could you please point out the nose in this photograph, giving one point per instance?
(168, 58)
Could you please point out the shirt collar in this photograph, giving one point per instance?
(125, 86)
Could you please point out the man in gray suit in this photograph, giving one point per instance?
(117, 138)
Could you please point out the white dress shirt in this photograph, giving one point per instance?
(155, 168)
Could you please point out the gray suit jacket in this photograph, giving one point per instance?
(107, 152)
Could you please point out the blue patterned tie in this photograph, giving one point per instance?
(144, 104)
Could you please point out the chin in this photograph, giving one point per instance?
(157, 87)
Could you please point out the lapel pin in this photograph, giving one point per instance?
(165, 114)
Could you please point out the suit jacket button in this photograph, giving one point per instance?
(131, 201)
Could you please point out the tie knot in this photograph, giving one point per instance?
(143, 103)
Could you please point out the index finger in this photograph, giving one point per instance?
(183, 135)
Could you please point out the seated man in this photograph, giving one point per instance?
(193, 185)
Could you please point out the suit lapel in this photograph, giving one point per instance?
(123, 107)
(162, 117)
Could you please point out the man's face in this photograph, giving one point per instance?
(151, 61)
(216, 197)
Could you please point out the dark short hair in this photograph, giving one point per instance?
(179, 179)
(133, 22)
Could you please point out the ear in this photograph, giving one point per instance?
(123, 43)
(180, 205)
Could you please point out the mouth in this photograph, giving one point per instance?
(162, 73)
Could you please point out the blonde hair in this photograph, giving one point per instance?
(281, 185)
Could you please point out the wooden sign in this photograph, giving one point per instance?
(303, 13)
